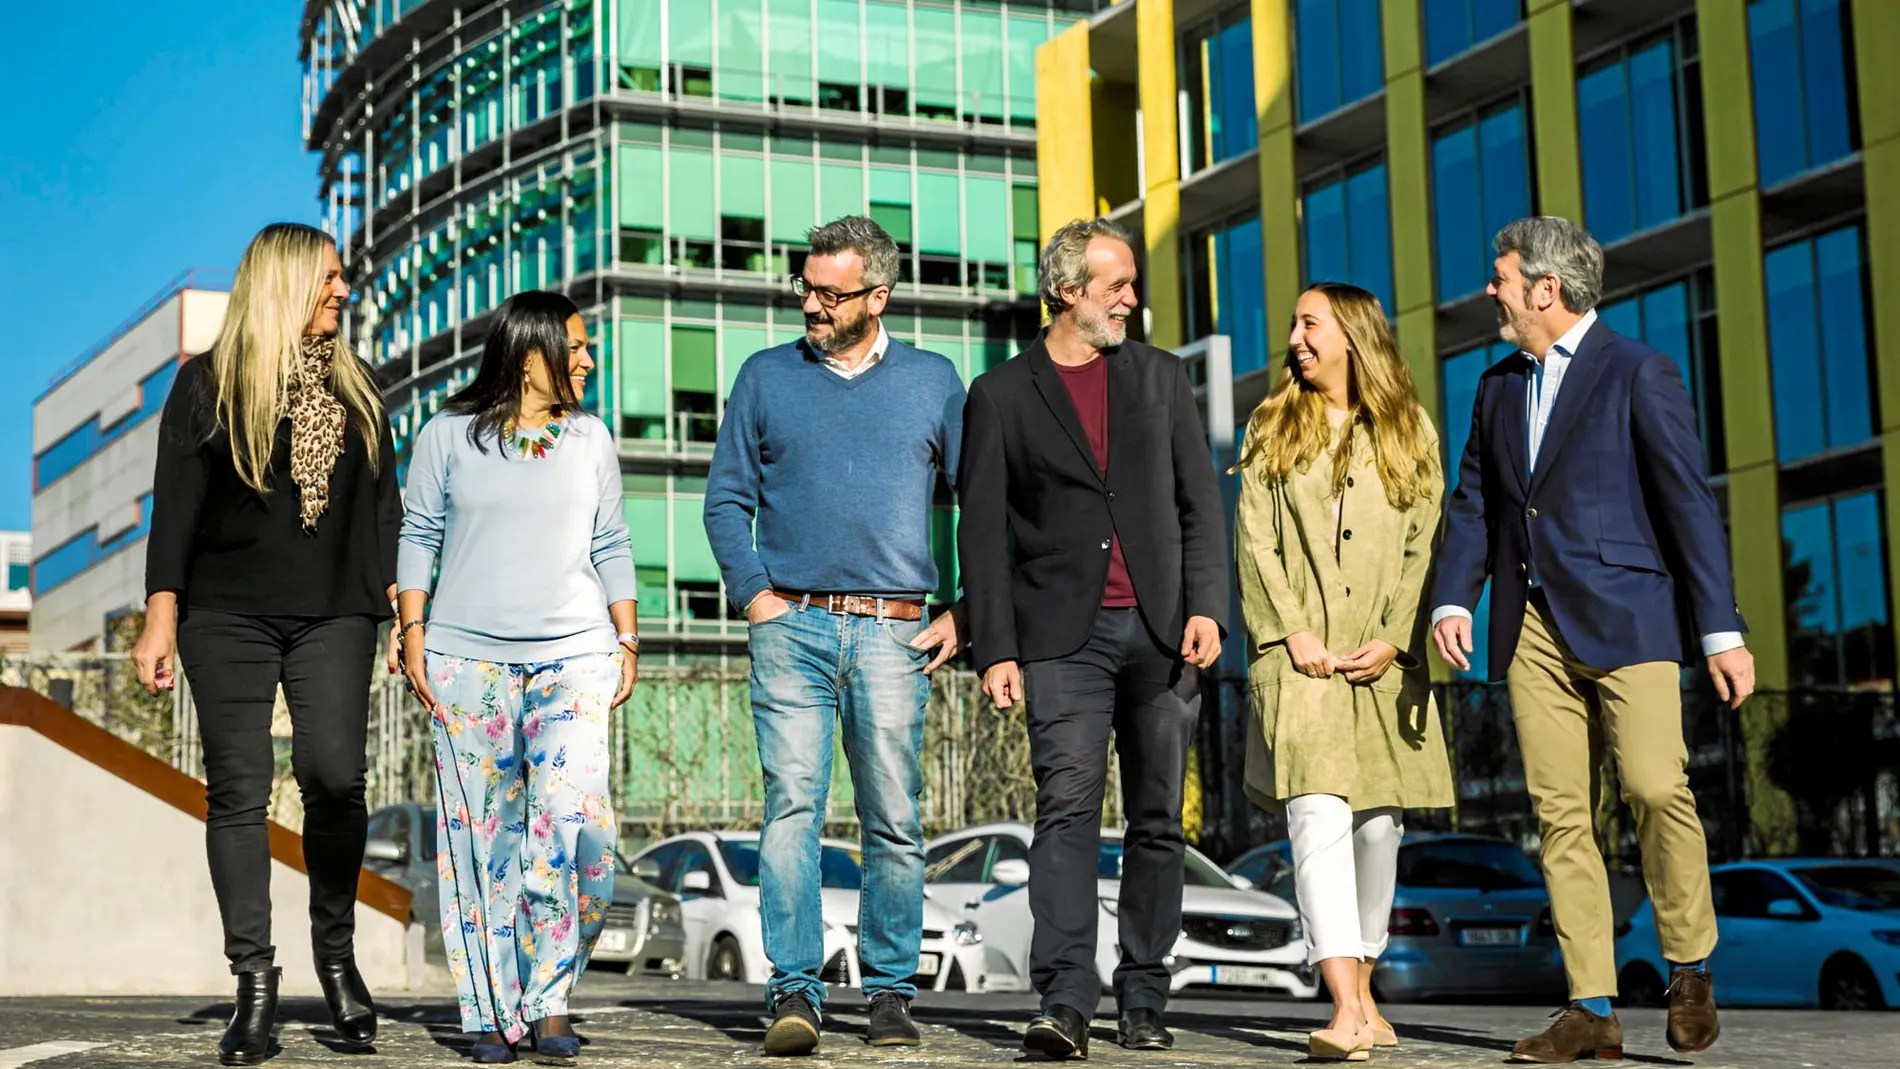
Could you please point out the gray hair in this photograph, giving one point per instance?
(1064, 263)
(857, 233)
(1555, 246)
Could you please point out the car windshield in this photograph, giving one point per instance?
(837, 867)
(1466, 863)
(1200, 871)
(1862, 887)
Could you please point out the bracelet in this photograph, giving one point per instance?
(629, 639)
(413, 623)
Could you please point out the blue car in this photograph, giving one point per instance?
(1790, 932)
(1471, 918)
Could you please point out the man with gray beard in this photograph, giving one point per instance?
(1088, 449)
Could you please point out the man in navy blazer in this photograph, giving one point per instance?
(1583, 497)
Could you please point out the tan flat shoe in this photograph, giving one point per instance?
(1337, 1044)
(1383, 1034)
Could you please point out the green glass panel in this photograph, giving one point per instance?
(887, 44)
(953, 349)
(938, 228)
(943, 549)
(791, 48)
(652, 587)
(639, 32)
(1024, 225)
(692, 194)
(695, 359)
(983, 63)
(793, 208)
(1026, 33)
(989, 219)
(742, 186)
(840, 190)
(741, 342)
(641, 180)
(838, 39)
(895, 219)
(690, 26)
(936, 58)
(646, 521)
(741, 65)
(642, 352)
(889, 186)
(693, 560)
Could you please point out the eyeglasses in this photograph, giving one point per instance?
(828, 298)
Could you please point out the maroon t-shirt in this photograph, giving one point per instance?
(1088, 392)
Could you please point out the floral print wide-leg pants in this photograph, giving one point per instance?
(525, 828)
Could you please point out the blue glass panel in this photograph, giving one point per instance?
(1447, 30)
(18, 576)
(86, 441)
(1462, 249)
(1666, 328)
(1369, 234)
(1317, 37)
(1863, 574)
(1504, 163)
(1243, 301)
(1603, 133)
(1792, 334)
(1812, 604)
(81, 552)
(1326, 233)
(1843, 334)
(1775, 69)
(1492, 17)
(1824, 67)
(1625, 317)
(1658, 170)
(1362, 55)
(1230, 55)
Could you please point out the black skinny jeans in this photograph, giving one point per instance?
(234, 664)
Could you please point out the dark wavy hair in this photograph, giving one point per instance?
(534, 321)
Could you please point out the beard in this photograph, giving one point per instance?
(1099, 329)
(844, 333)
(1513, 326)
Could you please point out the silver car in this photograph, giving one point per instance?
(643, 932)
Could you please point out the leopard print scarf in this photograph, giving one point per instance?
(317, 424)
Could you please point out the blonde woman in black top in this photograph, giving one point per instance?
(272, 560)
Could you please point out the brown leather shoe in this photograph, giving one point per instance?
(1692, 1023)
(1577, 1033)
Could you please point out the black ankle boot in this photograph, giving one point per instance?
(351, 1010)
(247, 1040)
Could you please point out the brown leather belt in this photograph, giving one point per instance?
(856, 604)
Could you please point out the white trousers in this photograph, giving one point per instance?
(1345, 869)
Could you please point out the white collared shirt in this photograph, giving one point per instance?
(870, 360)
(1540, 400)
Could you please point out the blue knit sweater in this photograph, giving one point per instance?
(837, 475)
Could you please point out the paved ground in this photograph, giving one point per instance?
(660, 1025)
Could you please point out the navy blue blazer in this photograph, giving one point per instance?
(1618, 517)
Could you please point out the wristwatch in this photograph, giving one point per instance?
(629, 639)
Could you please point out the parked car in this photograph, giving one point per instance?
(716, 877)
(1790, 932)
(1232, 937)
(1471, 917)
(643, 927)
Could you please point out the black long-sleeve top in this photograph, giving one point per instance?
(218, 544)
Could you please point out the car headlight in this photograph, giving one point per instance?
(966, 934)
(1299, 931)
(665, 913)
(1113, 907)
(1890, 937)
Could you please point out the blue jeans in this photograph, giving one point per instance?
(812, 669)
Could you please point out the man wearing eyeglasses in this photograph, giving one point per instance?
(818, 508)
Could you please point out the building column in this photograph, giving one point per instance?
(1876, 35)
(1554, 109)
(1279, 181)
(1754, 497)
(1408, 171)
(1161, 166)
(1065, 147)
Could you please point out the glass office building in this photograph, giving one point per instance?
(660, 161)
(1736, 158)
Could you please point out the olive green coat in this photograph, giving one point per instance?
(1374, 745)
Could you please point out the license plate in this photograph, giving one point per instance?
(613, 942)
(1243, 976)
(927, 964)
(1490, 937)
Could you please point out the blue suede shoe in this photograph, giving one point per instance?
(567, 1046)
(492, 1049)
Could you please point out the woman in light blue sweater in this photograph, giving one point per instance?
(528, 641)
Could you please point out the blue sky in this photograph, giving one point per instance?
(140, 139)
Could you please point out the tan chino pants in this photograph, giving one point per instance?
(1566, 712)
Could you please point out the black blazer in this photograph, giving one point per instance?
(1027, 471)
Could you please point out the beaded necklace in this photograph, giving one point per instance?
(534, 444)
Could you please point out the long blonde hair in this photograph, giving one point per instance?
(278, 284)
(1289, 430)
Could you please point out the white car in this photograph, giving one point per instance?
(1232, 936)
(715, 875)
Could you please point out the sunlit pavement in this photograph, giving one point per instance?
(654, 1023)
